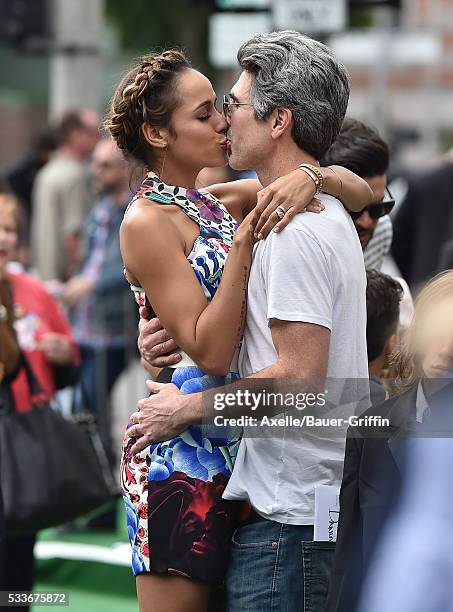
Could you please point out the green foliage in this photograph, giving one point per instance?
(156, 24)
(361, 17)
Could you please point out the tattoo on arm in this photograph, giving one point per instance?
(244, 304)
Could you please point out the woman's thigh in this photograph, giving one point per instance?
(166, 593)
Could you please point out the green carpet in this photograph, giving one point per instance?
(92, 567)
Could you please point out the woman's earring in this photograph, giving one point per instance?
(163, 163)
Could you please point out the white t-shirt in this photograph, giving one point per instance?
(313, 271)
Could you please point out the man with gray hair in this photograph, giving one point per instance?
(306, 321)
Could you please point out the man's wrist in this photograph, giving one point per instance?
(191, 410)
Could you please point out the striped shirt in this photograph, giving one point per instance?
(379, 245)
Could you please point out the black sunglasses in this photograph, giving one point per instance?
(378, 210)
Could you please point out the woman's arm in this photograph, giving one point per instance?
(352, 190)
(294, 191)
(154, 254)
(9, 349)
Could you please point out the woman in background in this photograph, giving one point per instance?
(44, 336)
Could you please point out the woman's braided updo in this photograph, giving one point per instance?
(146, 94)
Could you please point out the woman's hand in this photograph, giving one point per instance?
(244, 237)
(289, 194)
(56, 348)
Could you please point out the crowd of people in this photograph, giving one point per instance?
(272, 286)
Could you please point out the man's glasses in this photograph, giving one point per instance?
(378, 210)
(229, 101)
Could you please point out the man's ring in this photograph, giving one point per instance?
(281, 212)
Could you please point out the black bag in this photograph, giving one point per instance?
(52, 469)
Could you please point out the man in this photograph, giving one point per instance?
(20, 177)
(383, 296)
(359, 148)
(424, 223)
(61, 197)
(103, 312)
(306, 311)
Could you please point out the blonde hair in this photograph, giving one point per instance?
(404, 362)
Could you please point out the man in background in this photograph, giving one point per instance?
(20, 178)
(423, 224)
(383, 296)
(359, 148)
(61, 197)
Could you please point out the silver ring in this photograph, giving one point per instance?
(281, 212)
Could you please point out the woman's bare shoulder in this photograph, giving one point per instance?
(144, 218)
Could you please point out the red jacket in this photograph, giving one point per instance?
(36, 313)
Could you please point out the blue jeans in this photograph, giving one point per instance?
(278, 568)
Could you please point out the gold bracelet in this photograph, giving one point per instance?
(316, 172)
(313, 177)
(339, 178)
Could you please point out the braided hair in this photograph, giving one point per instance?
(146, 94)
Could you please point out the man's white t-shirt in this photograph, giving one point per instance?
(312, 271)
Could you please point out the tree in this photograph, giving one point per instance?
(156, 24)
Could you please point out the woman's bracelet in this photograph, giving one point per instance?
(315, 174)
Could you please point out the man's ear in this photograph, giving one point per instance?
(156, 137)
(282, 120)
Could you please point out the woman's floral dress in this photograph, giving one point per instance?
(176, 518)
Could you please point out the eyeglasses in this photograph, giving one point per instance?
(228, 101)
(378, 210)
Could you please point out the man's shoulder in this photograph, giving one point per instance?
(327, 227)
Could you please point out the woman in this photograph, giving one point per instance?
(372, 479)
(42, 328)
(9, 350)
(175, 241)
(9, 362)
(44, 336)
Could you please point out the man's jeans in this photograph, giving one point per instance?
(278, 568)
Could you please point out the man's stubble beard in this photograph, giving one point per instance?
(236, 164)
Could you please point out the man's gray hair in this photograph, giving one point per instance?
(293, 71)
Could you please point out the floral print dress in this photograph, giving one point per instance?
(176, 518)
